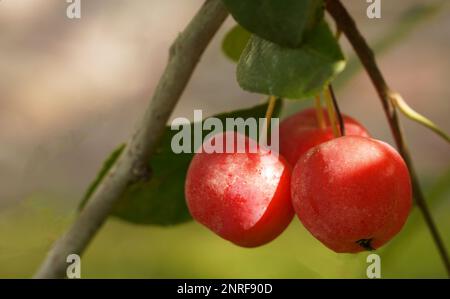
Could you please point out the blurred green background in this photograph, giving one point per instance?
(73, 90)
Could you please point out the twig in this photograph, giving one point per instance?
(348, 26)
(409, 21)
(184, 56)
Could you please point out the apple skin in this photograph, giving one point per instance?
(351, 189)
(242, 197)
(301, 131)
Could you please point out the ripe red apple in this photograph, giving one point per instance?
(301, 131)
(242, 197)
(352, 193)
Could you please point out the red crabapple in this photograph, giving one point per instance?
(301, 131)
(242, 197)
(352, 193)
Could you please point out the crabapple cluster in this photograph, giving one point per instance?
(352, 193)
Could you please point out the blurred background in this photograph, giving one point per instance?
(72, 90)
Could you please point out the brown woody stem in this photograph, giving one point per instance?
(348, 26)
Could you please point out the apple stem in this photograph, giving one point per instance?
(319, 113)
(270, 108)
(338, 111)
(337, 35)
(331, 113)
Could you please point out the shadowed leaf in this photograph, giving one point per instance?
(270, 69)
(160, 200)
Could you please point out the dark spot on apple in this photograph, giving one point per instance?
(366, 244)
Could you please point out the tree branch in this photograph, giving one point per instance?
(184, 56)
(348, 26)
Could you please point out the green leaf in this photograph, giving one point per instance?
(283, 22)
(160, 200)
(299, 73)
(235, 42)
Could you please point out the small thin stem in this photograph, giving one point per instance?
(269, 112)
(398, 101)
(265, 131)
(338, 111)
(319, 113)
(345, 21)
(331, 113)
(337, 35)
